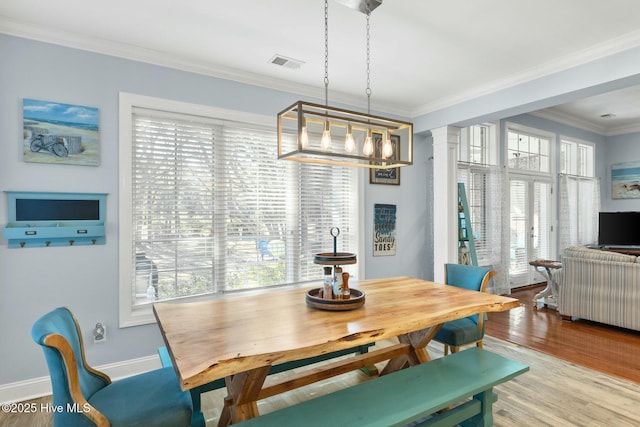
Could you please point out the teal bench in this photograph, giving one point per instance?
(415, 394)
(165, 359)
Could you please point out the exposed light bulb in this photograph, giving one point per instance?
(387, 147)
(349, 143)
(325, 142)
(304, 136)
(367, 149)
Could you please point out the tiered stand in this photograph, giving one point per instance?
(335, 259)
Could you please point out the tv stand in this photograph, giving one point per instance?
(626, 251)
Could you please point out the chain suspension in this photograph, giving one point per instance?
(326, 52)
(368, 91)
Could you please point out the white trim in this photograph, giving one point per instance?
(446, 141)
(107, 47)
(128, 314)
(589, 54)
(567, 119)
(202, 67)
(39, 387)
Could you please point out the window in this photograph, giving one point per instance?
(576, 157)
(478, 144)
(528, 152)
(206, 207)
(578, 195)
(484, 183)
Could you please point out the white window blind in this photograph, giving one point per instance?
(484, 185)
(213, 209)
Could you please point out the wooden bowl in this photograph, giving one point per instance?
(314, 301)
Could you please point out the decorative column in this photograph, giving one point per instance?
(445, 198)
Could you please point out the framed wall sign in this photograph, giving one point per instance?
(384, 230)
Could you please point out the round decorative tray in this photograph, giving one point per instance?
(338, 258)
(314, 301)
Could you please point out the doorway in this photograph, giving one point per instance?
(531, 228)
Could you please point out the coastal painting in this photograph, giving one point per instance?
(625, 180)
(59, 133)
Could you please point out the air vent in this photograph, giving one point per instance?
(283, 61)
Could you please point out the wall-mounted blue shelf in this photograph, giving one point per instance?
(38, 219)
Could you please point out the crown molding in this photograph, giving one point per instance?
(149, 56)
(580, 123)
(570, 120)
(135, 53)
(593, 53)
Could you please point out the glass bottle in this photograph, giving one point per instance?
(337, 282)
(327, 284)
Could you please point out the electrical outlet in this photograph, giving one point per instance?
(100, 333)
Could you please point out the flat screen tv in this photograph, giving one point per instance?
(619, 229)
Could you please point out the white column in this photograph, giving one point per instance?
(445, 198)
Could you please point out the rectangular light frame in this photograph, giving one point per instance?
(292, 119)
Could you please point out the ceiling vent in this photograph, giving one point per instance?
(283, 61)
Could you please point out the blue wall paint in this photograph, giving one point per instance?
(620, 149)
(34, 281)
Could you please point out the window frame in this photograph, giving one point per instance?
(133, 315)
(577, 143)
(531, 132)
(489, 147)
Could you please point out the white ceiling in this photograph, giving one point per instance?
(425, 55)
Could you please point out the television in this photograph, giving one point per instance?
(619, 229)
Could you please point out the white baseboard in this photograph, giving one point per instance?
(38, 387)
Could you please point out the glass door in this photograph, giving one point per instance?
(530, 228)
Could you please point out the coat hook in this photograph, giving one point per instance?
(71, 242)
(48, 243)
(22, 244)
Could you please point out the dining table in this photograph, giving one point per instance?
(241, 336)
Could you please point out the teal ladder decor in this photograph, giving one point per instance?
(466, 255)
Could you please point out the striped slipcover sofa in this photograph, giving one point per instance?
(601, 286)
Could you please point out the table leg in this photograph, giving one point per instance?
(241, 402)
(418, 341)
(549, 294)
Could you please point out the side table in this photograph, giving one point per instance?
(548, 296)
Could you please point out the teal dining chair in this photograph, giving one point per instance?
(468, 330)
(88, 397)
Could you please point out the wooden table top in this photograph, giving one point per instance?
(216, 338)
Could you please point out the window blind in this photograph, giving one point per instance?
(214, 210)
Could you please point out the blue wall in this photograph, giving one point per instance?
(619, 149)
(33, 281)
(85, 278)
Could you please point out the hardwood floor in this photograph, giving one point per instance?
(554, 392)
(614, 351)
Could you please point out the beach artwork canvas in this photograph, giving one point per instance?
(60, 133)
(625, 180)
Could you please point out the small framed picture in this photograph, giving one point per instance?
(385, 176)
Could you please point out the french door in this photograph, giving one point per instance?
(531, 233)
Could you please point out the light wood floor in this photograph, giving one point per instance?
(553, 393)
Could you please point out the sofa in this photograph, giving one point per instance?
(601, 286)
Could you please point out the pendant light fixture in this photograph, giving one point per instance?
(315, 133)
